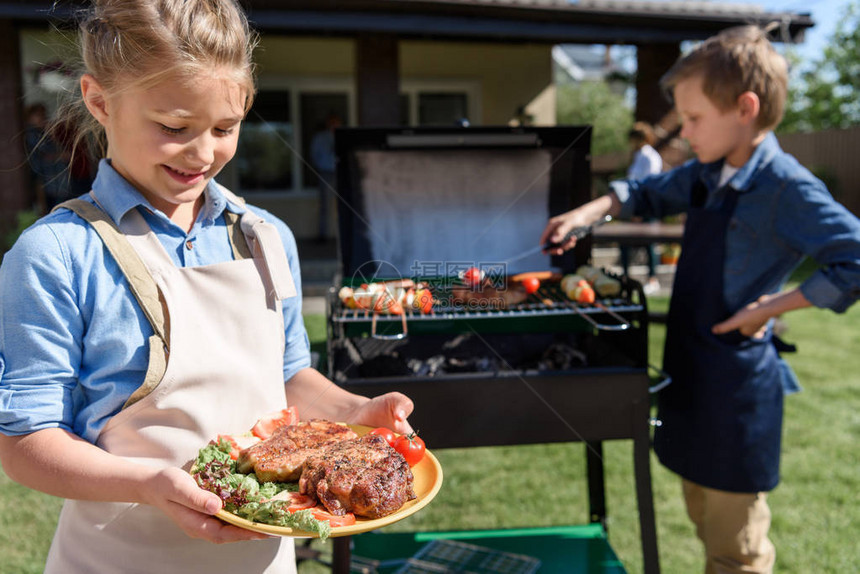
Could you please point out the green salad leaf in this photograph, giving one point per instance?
(246, 497)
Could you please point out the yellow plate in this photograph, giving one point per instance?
(427, 482)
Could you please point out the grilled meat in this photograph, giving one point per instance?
(364, 476)
(488, 296)
(280, 457)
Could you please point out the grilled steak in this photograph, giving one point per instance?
(364, 476)
(280, 457)
(488, 296)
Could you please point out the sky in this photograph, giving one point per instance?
(825, 14)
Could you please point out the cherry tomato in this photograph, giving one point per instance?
(531, 284)
(472, 276)
(320, 513)
(296, 501)
(386, 303)
(385, 433)
(234, 448)
(269, 422)
(411, 446)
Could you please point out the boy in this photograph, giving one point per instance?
(753, 213)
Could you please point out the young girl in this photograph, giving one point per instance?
(158, 311)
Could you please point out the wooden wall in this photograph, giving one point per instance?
(833, 156)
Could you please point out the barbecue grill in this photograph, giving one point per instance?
(425, 204)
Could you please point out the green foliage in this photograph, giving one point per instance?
(23, 220)
(827, 92)
(595, 104)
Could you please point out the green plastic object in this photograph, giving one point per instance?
(578, 549)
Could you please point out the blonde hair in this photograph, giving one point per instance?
(735, 61)
(128, 44)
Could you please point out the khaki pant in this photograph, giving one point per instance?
(733, 527)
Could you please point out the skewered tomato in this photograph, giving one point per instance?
(584, 293)
(385, 433)
(423, 301)
(386, 302)
(531, 284)
(320, 513)
(268, 423)
(472, 276)
(411, 446)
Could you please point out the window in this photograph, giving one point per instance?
(440, 109)
(263, 157)
(439, 102)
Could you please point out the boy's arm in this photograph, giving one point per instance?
(752, 319)
(654, 196)
(557, 227)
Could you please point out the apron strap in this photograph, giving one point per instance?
(140, 280)
(142, 285)
(237, 239)
(260, 239)
(268, 246)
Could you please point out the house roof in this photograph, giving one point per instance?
(545, 21)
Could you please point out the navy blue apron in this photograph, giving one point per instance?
(722, 415)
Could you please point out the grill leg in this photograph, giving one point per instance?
(596, 483)
(341, 555)
(645, 500)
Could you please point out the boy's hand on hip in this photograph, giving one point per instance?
(750, 321)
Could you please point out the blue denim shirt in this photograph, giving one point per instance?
(783, 214)
(72, 337)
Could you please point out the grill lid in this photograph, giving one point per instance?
(427, 202)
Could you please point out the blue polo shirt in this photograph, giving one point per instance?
(73, 340)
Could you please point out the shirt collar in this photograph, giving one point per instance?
(117, 197)
(742, 180)
(760, 158)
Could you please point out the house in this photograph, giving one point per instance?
(375, 62)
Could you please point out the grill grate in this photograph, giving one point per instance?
(452, 557)
(549, 300)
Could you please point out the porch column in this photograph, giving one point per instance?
(377, 78)
(14, 173)
(653, 60)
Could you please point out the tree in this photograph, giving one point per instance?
(827, 94)
(595, 104)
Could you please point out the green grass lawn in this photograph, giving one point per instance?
(815, 510)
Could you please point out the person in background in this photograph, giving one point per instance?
(142, 320)
(323, 161)
(80, 174)
(646, 161)
(753, 214)
(47, 159)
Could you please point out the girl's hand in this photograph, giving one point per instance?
(177, 495)
(751, 321)
(389, 410)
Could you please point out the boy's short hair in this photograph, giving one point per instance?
(735, 61)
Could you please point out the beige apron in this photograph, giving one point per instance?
(216, 365)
